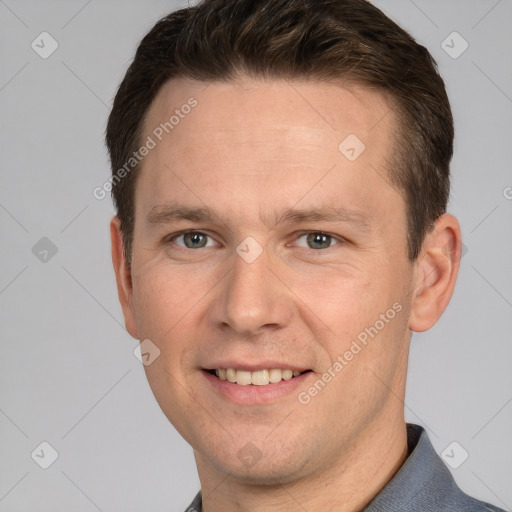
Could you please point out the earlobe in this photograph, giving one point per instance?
(436, 271)
(123, 277)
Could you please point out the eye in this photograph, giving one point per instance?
(192, 240)
(316, 240)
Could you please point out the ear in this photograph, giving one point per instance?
(435, 273)
(123, 277)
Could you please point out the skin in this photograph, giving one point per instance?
(248, 151)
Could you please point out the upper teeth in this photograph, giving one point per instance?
(258, 378)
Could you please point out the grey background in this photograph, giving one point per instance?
(68, 375)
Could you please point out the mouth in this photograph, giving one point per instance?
(265, 377)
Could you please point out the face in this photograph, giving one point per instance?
(261, 244)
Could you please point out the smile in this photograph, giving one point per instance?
(256, 378)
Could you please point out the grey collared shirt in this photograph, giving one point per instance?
(422, 484)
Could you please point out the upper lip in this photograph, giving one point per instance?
(254, 367)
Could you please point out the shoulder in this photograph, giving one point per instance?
(444, 495)
(425, 483)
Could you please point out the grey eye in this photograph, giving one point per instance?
(192, 240)
(195, 240)
(319, 241)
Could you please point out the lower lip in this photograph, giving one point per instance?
(252, 394)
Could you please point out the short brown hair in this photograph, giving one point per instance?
(350, 41)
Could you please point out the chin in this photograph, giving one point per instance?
(262, 473)
(278, 463)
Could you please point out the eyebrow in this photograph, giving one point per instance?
(167, 213)
(173, 212)
(323, 214)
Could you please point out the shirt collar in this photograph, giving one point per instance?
(422, 470)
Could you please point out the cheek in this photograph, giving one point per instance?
(361, 308)
(339, 301)
(165, 303)
(162, 299)
(170, 306)
(160, 311)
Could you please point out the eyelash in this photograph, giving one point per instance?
(337, 239)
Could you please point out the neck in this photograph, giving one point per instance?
(347, 485)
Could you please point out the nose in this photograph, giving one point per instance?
(252, 298)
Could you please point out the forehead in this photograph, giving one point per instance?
(273, 137)
(258, 105)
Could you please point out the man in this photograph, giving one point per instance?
(281, 174)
